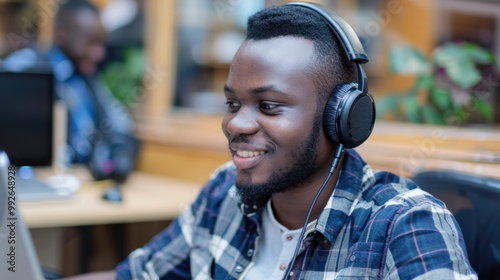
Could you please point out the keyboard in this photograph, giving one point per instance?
(33, 189)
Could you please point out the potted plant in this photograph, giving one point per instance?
(456, 85)
(124, 77)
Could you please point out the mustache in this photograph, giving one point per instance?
(239, 139)
(245, 139)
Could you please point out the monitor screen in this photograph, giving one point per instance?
(26, 117)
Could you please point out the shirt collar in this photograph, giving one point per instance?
(355, 177)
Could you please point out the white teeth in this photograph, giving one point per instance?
(247, 154)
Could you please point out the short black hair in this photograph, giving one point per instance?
(70, 7)
(332, 67)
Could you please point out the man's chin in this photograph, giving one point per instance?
(86, 69)
(251, 177)
(252, 194)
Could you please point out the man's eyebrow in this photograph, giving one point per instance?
(227, 89)
(257, 90)
(269, 88)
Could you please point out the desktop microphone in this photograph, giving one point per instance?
(339, 151)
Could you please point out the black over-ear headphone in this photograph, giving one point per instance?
(349, 113)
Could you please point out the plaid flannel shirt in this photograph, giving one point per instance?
(375, 226)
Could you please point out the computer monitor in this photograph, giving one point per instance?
(27, 115)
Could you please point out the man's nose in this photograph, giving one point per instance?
(243, 122)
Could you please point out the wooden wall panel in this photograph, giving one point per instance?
(180, 162)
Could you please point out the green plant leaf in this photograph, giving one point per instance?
(459, 62)
(411, 109)
(125, 75)
(431, 115)
(387, 105)
(461, 114)
(463, 73)
(408, 61)
(477, 54)
(441, 98)
(423, 82)
(447, 53)
(483, 108)
(134, 61)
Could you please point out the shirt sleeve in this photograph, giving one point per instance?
(166, 256)
(175, 253)
(427, 243)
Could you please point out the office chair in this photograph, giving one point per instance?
(475, 203)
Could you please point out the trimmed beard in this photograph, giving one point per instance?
(284, 180)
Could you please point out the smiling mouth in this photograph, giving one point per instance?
(249, 154)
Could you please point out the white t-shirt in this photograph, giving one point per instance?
(275, 248)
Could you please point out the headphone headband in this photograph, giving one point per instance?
(349, 113)
(344, 32)
(347, 37)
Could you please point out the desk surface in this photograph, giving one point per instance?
(146, 197)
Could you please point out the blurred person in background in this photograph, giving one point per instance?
(100, 129)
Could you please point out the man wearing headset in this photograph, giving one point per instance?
(249, 218)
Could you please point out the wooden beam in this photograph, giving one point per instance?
(47, 10)
(159, 80)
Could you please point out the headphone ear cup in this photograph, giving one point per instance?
(349, 115)
(331, 112)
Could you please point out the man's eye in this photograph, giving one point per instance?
(268, 106)
(232, 105)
